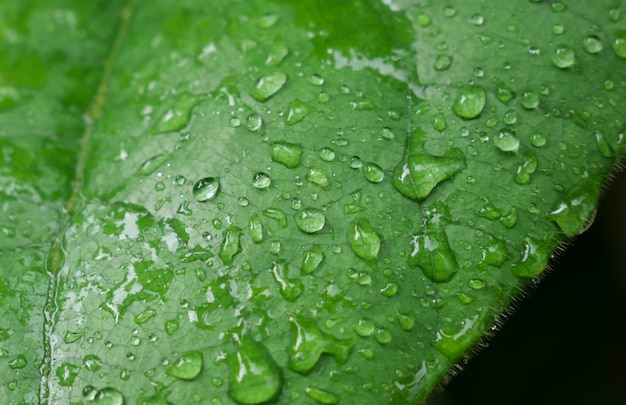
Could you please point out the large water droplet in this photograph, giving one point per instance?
(309, 343)
(317, 175)
(310, 220)
(470, 102)
(363, 240)
(268, 85)
(297, 111)
(108, 396)
(289, 289)
(187, 367)
(534, 258)
(287, 154)
(206, 189)
(619, 44)
(230, 245)
(312, 259)
(254, 376)
(261, 180)
(592, 44)
(419, 173)
(430, 249)
(563, 56)
(373, 173)
(576, 209)
(507, 141)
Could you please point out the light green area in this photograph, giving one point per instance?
(300, 202)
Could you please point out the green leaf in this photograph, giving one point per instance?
(252, 201)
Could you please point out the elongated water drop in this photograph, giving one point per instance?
(507, 141)
(297, 111)
(312, 259)
(268, 85)
(256, 229)
(317, 175)
(230, 245)
(289, 289)
(619, 44)
(373, 173)
(178, 115)
(287, 154)
(534, 258)
(577, 207)
(321, 396)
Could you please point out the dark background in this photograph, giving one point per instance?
(566, 342)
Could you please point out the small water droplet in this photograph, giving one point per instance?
(537, 140)
(144, 316)
(267, 20)
(387, 133)
(71, 337)
(317, 175)
(477, 19)
(363, 240)
(373, 173)
(108, 396)
(316, 80)
(439, 122)
(510, 117)
(310, 220)
(619, 44)
(507, 141)
(277, 54)
(323, 97)
(356, 162)
(243, 202)
(470, 102)
(592, 44)
(187, 367)
(261, 180)
(563, 57)
(578, 206)
(504, 93)
(530, 100)
(297, 112)
(254, 122)
(603, 146)
(267, 86)
(526, 168)
(206, 189)
(327, 154)
(287, 154)
(442, 62)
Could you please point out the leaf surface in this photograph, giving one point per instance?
(300, 202)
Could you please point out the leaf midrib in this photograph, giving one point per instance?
(54, 260)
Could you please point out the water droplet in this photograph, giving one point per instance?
(268, 85)
(563, 56)
(558, 7)
(92, 362)
(310, 220)
(317, 175)
(356, 162)
(187, 367)
(510, 117)
(619, 44)
(442, 62)
(206, 189)
(390, 289)
(477, 19)
(453, 339)
(470, 102)
(406, 321)
(261, 180)
(108, 396)
(504, 93)
(316, 80)
(603, 146)
(526, 168)
(509, 219)
(171, 326)
(297, 111)
(309, 343)
(267, 21)
(254, 122)
(530, 100)
(230, 246)
(382, 336)
(537, 140)
(534, 258)
(363, 240)
(277, 54)
(323, 97)
(254, 376)
(287, 154)
(321, 396)
(439, 122)
(592, 44)
(476, 284)
(615, 14)
(507, 141)
(178, 115)
(67, 374)
(312, 259)
(419, 173)
(327, 154)
(289, 289)
(71, 337)
(18, 362)
(243, 202)
(277, 214)
(577, 208)
(144, 316)
(373, 173)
